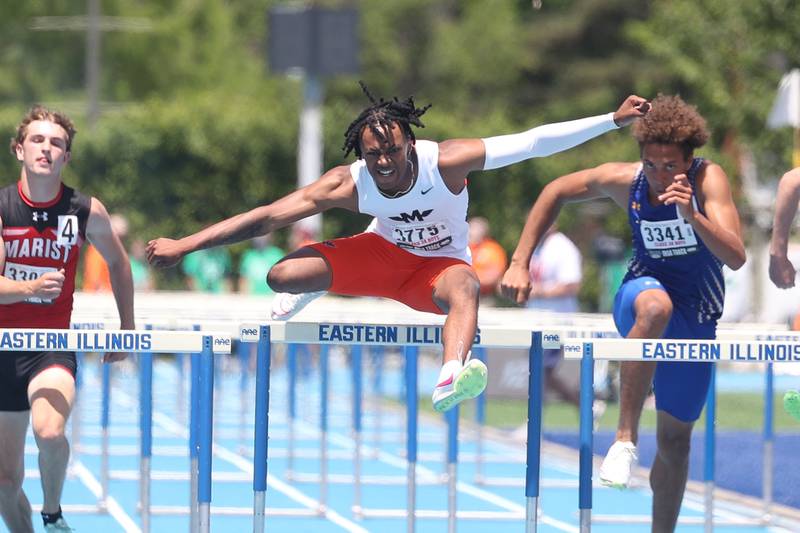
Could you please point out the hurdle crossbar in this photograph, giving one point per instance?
(773, 351)
(128, 341)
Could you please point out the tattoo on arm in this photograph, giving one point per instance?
(242, 234)
(237, 229)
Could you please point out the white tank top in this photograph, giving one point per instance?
(428, 220)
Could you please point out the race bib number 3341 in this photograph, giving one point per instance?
(667, 238)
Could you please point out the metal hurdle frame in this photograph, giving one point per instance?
(311, 332)
(531, 517)
(200, 433)
(144, 343)
(570, 328)
(641, 349)
(412, 336)
(357, 412)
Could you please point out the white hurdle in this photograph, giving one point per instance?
(409, 336)
(413, 336)
(144, 343)
(656, 350)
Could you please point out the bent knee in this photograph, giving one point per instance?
(49, 432)
(11, 481)
(674, 448)
(654, 309)
(465, 290)
(276, 277)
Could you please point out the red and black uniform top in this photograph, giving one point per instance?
(40, 238)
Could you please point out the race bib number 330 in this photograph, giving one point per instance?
(20, 272)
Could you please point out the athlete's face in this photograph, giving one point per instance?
(44, 150)
(661, 163)
(388, 159)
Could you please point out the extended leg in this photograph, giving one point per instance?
(51, 394)
(652, 310)
(670, 470)
(456, 293)
(14, 505)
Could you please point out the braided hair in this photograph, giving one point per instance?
(379, 117)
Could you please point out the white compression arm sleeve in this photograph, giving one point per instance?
(544, 140)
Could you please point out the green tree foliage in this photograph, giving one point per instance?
(195, 127)
(726, 58)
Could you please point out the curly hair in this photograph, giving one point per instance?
(379, 117)
(39, 112)
(672, 121)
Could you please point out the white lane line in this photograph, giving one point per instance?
(238, 460)
(112, 506)
(425, 472)
(288, 490)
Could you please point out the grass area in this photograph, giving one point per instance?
(734, 411)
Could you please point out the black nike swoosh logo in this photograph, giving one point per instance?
(426, 191)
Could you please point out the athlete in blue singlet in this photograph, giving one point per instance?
(685, 227)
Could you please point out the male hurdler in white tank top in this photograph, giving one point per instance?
(428, 220)
(416, 250)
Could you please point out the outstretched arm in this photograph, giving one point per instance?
(102, 236)
(781, 270)
(458, 157)
(606, 181)
(334, 189)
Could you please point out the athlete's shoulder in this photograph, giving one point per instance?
(343, 173)
(9, 191)
(427, 146)
(618, 170)
(706, 165)
(77, 201)
(710, 172)
(336, 184)
(9, 196)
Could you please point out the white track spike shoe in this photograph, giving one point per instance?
(459, 382)
(285, 305)
(616, 468)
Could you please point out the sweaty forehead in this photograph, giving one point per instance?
(45, 128)
(662, 152)
(370, 139)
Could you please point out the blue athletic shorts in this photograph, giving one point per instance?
(681, 387)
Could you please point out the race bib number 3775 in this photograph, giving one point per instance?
(430, 237)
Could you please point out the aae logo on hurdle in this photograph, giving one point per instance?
(688, 350)
(249, 333)
(551, 340)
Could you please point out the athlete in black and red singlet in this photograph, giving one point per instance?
(43, 224)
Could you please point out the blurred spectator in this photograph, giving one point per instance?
(255, 264)
(142, 279)
(208, 270)
(95, 270)
(301, 236)
(556, 276)
(489, 259)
